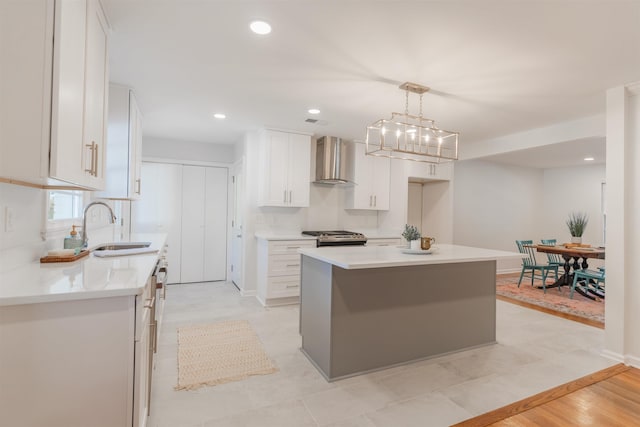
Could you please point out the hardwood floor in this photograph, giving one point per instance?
(610, 397)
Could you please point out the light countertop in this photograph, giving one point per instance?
(354, 257)
(87, 278)
(283, 235)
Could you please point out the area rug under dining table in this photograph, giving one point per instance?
(556, 301)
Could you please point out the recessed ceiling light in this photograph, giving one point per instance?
(589, 159)
(219, 116)
(314, 111)
(260, 27)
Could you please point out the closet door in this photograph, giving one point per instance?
(215, 242)
(193, 223)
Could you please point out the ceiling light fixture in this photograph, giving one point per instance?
(260, 27)
(219, 116)
(589, 159)
(313, 111)
(411, 137)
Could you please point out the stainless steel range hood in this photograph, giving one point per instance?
(331, 162)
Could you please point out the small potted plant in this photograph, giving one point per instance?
(412, 235)
(577, 222)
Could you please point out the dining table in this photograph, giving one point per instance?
(576, 257)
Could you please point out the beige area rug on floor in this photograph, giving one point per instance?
(218, 353)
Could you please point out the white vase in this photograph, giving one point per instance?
(414, 244)
(575, 239)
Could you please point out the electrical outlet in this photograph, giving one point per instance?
(9, 219)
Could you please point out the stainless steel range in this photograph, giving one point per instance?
(337, 238)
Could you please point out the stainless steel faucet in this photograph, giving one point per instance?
(85, 239)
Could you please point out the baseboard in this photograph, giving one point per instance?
(508, 271)
(613, 356)
(245, 293)
(632, 361)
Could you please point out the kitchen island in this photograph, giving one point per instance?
(368, 308)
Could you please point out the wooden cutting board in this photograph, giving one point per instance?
(48, 258)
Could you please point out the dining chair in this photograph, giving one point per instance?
(553, 259)
(581, 279)
(530, 264)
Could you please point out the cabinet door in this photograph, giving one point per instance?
(135, 148)
(141, 373)
(68, 152)
(299, 168)
(160, 210)
(380, 177)
(274, 161)
(95, 96)
(361, 194)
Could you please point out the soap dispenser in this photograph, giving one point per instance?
(73, 241)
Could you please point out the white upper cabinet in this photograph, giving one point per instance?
(371, 176)
(285, 168)
(124, 145)
(54, 93)
(430, 171)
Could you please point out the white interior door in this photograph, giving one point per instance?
(236, 226)
(215, 236)
(159, 210)
(193, 223)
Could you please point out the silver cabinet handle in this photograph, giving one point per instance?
(92, 151)
(285, 196)
(293, 247)
(293, 265)
(293, 286)
(375, 201)
(150, 302)
(370, 200)
(95, 167)
(138, 185)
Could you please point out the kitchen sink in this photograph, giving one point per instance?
(122, 245)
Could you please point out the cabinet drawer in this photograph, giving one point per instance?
(284, 265)
(285, 286)
(289, 247)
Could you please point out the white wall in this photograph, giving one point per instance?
(160, 148)
(29, 240)
(622, 305)
(568, 190)
(495, 205)
(24, 243)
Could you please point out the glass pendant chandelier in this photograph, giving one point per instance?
(409, 137)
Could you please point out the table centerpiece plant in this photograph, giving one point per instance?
(577, 222)
(412, 235)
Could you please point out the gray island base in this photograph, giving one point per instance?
(354, 321)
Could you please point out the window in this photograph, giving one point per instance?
(64, 207)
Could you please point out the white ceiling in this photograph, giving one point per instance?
(495, 67)
(570, 153)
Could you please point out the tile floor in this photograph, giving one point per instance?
(535, 351)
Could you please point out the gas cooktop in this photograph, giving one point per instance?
(337, 237)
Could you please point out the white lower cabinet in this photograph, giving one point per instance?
(279, 270)
(76, 363)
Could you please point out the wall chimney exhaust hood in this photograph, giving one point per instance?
(331, 164)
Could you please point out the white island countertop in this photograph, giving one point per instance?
(355, 257)
(87, 278)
